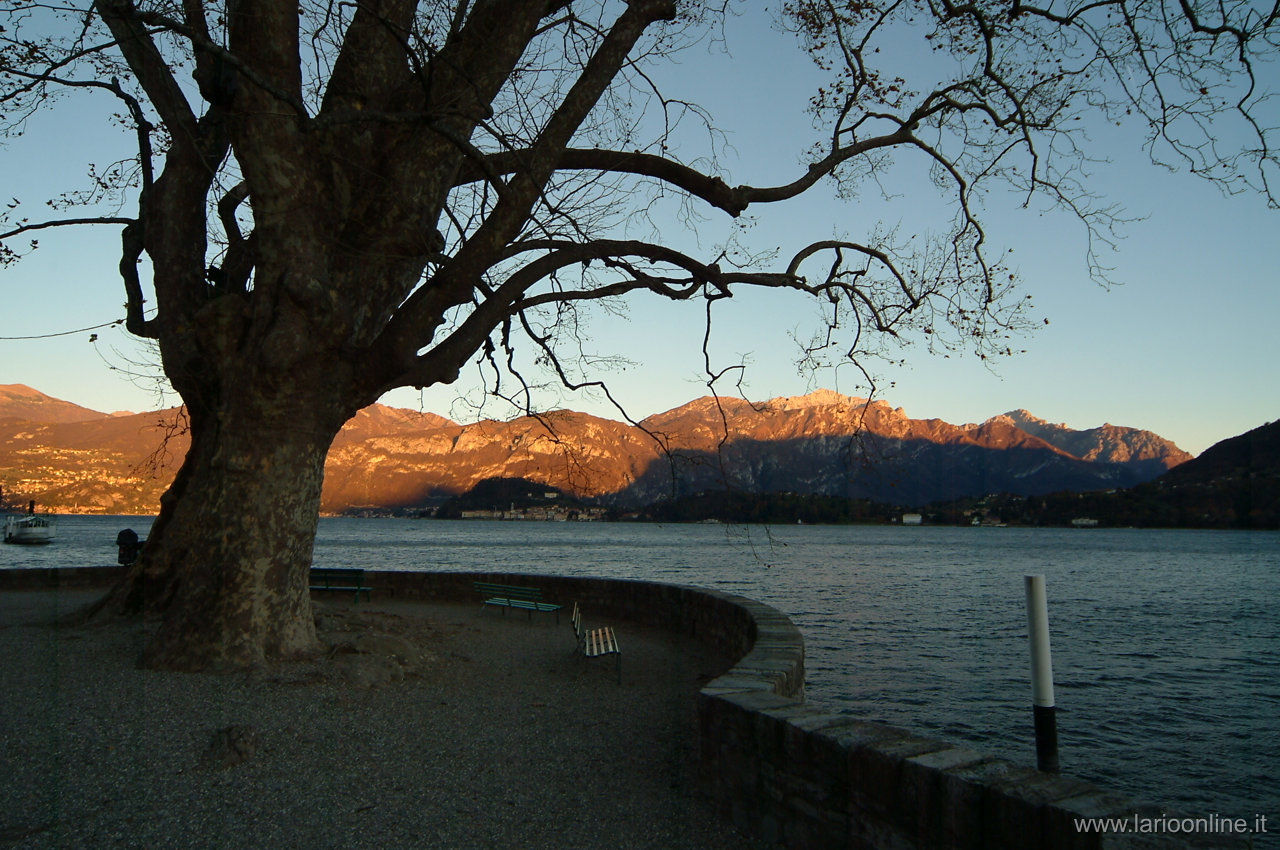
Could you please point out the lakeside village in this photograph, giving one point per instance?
(546, 513)
(581, 513)
(598, 514)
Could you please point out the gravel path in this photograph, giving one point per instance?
(430, 726)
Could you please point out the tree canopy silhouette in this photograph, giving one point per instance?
(335, 199)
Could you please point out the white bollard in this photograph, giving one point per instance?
(1042, 706)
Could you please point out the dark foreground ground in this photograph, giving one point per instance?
(429, 726)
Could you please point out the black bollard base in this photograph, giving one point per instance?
(1046, 738)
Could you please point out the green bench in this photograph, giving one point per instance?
(506, 596)
(340, 578)
(596, 643)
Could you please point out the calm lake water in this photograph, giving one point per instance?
(1165, 643)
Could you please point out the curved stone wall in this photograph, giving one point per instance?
(769, 645)
(791, 772)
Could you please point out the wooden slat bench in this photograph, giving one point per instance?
(340, 578)
(507, 596)
(595, 643)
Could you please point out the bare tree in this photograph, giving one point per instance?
(336, 199)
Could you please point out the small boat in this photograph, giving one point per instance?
(30, 528)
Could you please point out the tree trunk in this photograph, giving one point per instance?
(227, 562)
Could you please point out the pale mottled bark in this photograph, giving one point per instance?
(239, 549)
(227, 562)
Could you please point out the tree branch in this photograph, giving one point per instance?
(713, 190)
(457, 279)
(150, 68)
(65, 222)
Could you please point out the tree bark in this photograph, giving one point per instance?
(227, 562)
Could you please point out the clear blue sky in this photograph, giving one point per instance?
(1186, 346)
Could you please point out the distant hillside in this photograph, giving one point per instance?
(378, 420)
(823, 444)
(1233, 484)
(118, 465)
(18, 401)
(1249, 455)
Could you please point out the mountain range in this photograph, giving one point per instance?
(72, 459)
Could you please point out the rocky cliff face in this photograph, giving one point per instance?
(841, 445)
(384, 457)
(573, 452)
(1107, 443)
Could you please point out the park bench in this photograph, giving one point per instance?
(507, 596)
(596, 643)
(340, 578)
